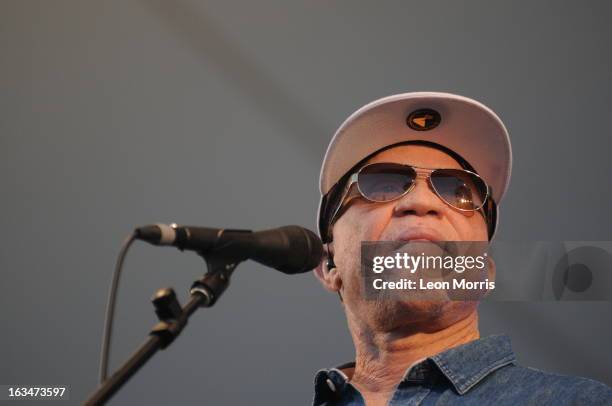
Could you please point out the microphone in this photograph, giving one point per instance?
(289, 249)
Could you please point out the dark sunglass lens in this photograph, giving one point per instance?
(385, 182)
(460, 189)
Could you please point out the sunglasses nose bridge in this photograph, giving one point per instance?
(425, 176)
(422, 196)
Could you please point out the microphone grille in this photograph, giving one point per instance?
(305, 247)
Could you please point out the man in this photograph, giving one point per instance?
(391, 173)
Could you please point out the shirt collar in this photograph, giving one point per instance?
(463, 366)
(468, 364)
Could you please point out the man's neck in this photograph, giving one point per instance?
(382, 358)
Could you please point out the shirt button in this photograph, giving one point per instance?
(331, 385)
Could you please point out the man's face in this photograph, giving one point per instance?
(420, 214)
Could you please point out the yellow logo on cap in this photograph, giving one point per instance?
(423, 119)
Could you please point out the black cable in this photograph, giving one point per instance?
(110, 308)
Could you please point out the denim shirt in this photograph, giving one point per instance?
(482, 372)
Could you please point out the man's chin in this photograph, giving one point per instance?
(424, 315)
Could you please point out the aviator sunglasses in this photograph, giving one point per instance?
(461, 189)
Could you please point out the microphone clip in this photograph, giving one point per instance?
(216, 280)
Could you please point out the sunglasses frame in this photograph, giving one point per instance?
(354, 179)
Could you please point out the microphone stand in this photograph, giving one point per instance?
(172, 319)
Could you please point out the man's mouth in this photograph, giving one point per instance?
(419, 234)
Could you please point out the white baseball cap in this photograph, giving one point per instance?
(463, 125)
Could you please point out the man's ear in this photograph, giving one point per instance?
(327, 273)
(491, 270)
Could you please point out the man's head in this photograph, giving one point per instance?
(421, 213)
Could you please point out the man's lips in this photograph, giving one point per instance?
(419, 234)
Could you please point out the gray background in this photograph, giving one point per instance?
(115, 114)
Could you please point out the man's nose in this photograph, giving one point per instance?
(420, 201)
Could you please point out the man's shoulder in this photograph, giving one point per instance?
(543, 387)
